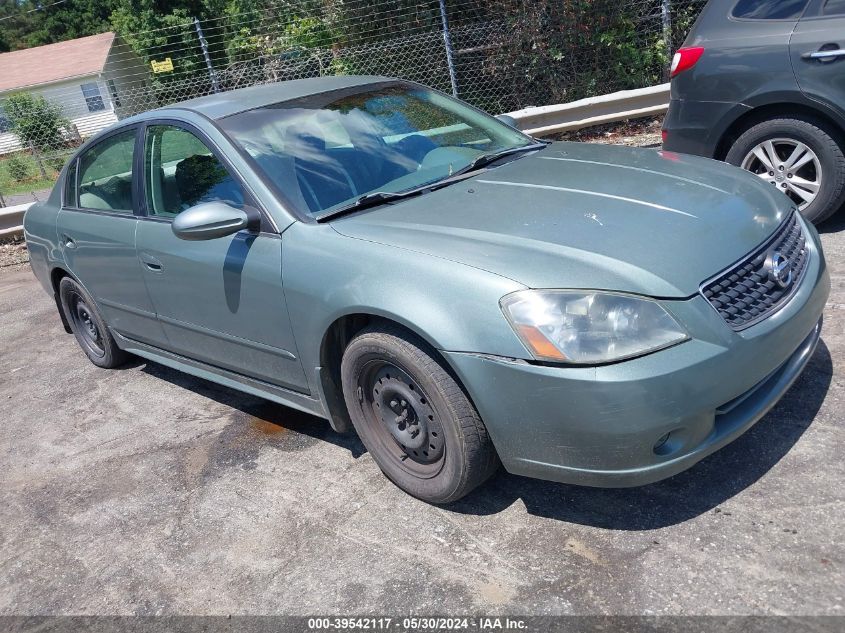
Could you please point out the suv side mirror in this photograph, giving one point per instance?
(208, 221)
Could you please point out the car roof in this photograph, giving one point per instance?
(222, 104)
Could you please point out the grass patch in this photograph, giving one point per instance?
(19, 173)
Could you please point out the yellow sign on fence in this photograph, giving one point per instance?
(165, 66)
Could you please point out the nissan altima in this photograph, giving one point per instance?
(460, 294)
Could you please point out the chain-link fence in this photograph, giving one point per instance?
(500, 55)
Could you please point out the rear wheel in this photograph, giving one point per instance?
(799, 157)
(88, 326)
(413, 417)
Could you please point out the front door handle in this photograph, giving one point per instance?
(151, 262)
(825, 55)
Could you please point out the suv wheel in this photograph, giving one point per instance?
(413, 417)
(799, 157)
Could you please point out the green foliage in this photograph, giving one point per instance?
(36, 121)
(562, 50)
(32, 181)
(24, 28)
(298, 27)
(18, 168)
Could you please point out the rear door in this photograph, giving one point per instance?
(818, 53)
(219, 301)
(96, 228)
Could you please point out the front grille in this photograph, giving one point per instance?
(747, 293)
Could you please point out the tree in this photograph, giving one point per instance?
(36, 121)
(70, 20)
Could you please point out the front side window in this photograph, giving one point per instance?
(181, 172)
(105, 174)
(769, 9)
(834, 7)
(93, 98)
(327, 150)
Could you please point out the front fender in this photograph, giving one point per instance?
(453, 306)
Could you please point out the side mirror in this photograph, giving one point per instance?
(208, 221)
(508, 120)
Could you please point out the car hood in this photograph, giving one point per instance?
(575, 215)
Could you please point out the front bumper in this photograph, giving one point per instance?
(600, 426)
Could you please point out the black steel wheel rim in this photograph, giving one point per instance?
(402, 419)
(85, 325)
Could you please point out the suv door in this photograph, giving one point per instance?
(96, 229)
(818, 53)
(219, 301)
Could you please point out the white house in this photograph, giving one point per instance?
(96, 80)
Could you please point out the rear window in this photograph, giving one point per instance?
(769, 9)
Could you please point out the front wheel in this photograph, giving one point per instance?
(799, 157)
(413, 417)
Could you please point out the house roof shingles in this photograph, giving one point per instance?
(54, 62)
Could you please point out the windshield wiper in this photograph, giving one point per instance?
(368, 200)
(375, 198)
(486, 159)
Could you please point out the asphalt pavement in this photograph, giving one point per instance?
(147, 491)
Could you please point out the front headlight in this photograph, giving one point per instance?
(583, 327)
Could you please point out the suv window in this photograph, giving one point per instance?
(769, 9)
(105, 174)
(834, 7)
(182, 172)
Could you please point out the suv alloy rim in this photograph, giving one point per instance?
(789, 165)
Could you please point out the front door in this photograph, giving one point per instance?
(219, 301)
(97, 235)
(818, 53)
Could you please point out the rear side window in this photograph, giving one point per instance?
(769, 9)
(105, 174)
(834, 7)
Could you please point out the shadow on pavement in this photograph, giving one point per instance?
(680, 498)
(834, 224)
(700, 489)
(257, 409)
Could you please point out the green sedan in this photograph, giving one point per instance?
(460, 294)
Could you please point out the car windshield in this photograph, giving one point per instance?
(327, 151)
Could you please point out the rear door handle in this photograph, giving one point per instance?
(151, 262)
(68, 241)
(825, 55)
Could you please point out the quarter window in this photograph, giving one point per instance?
(93, 98)
(183, 172)
(70, 185)
(105, 174)
(834, 7)
(769, 9)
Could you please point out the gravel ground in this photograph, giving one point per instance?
(13, 255)
(635, 133)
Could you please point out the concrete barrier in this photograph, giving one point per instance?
(618, 106)
(11, 219)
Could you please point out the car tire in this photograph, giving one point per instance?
(413, 417)
(819, 139)
(88, 326)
